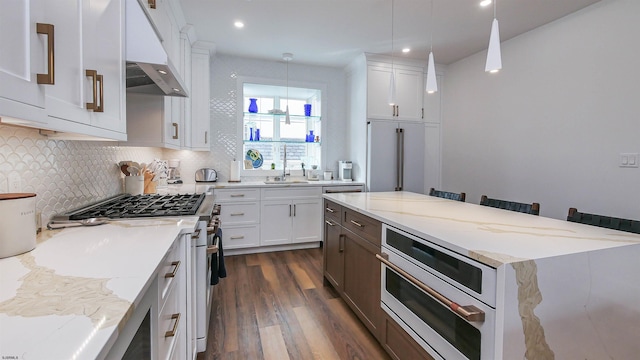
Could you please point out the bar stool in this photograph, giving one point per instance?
(533, 208)
(447, 195)
(608, 222)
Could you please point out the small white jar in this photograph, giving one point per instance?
(17, 223)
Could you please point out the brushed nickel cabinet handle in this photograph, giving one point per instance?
(329, 223)
(93, 74)
(237, 214)
(356, 223)
(330, 210)
(237, 195)
(49, 77)
(176, 265)
(294, 209)
(236, 237)
(171, 333)
(289, 210)
(469, 312)
(175, 129)
(206, 137)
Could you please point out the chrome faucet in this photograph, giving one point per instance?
(284, 164)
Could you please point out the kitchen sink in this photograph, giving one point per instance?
(286, 182)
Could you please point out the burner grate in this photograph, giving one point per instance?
(148, 205)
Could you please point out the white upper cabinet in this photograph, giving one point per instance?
(81, 57)
(409, 89)
(200, 114)
(22, 57)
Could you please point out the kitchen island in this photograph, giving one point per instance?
(73, 295)
(563, 290)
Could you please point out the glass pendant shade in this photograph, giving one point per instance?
(432, 83)
(494, 56)
(392, 89)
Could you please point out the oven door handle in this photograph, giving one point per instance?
(469, 312)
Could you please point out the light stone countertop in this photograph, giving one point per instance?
(67, 298)
(491, 236)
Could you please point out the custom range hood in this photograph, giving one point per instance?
(149, 69)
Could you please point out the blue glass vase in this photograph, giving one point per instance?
(257, 137)
(250, 134)
(253, 105)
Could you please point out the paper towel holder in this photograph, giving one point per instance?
(236, 168)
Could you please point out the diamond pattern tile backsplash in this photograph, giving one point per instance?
(67, 175)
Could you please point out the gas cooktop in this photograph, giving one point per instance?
(137, 206)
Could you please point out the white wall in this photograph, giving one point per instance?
(226, 69)
(551, 125)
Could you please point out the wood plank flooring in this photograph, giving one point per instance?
(274, 306)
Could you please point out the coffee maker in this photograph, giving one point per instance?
(345, 170)
(174, 172)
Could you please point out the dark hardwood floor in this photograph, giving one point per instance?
(274, 306)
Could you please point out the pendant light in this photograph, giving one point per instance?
(287, 57)
(392, 80)
(494, 56)
(432, 83)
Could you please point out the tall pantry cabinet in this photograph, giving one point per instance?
(393, 147)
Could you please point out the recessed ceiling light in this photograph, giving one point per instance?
(239, 24)
(406, 50)
(162, 72)
(485, 2)
(176, 90)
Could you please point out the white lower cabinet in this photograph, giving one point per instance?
(290, 216)
(239, 217)
(169, 316)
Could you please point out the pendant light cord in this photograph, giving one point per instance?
(494, 8)
(431, 49)
(392, 34)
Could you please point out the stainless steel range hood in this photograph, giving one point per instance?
(149, 69)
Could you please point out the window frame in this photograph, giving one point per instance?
(239, 151)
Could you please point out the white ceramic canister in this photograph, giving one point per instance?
(17, 223)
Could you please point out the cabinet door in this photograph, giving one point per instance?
(362, 280)
(378, 79)
(333, 253)
(103, 37)
(399, 344)
(409, 94)
(66, 99)
(22, 54)
(200, 116)
(432, 160)
(275, 222)
(306, 220)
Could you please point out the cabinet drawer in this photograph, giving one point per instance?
(169, 325)
(236, 195)
(240, 237)
(291, 193)
(240, 213)
(332, 211)
(169, 273)
(362, 225)
(399, 344)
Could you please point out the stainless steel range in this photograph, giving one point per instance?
(146, 206)
(127, 206)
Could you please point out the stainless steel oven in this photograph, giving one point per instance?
(444, 300)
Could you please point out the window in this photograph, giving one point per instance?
(265, 132)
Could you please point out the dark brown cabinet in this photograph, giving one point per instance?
(351, 242)
(398, 344)
(362, 280)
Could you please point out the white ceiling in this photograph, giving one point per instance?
(333, 32)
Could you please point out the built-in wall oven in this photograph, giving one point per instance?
(444, 300)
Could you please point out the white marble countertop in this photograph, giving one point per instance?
(201, 187)
(67, 298)
(491, 236)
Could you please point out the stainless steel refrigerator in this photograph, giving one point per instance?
(395, 156)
